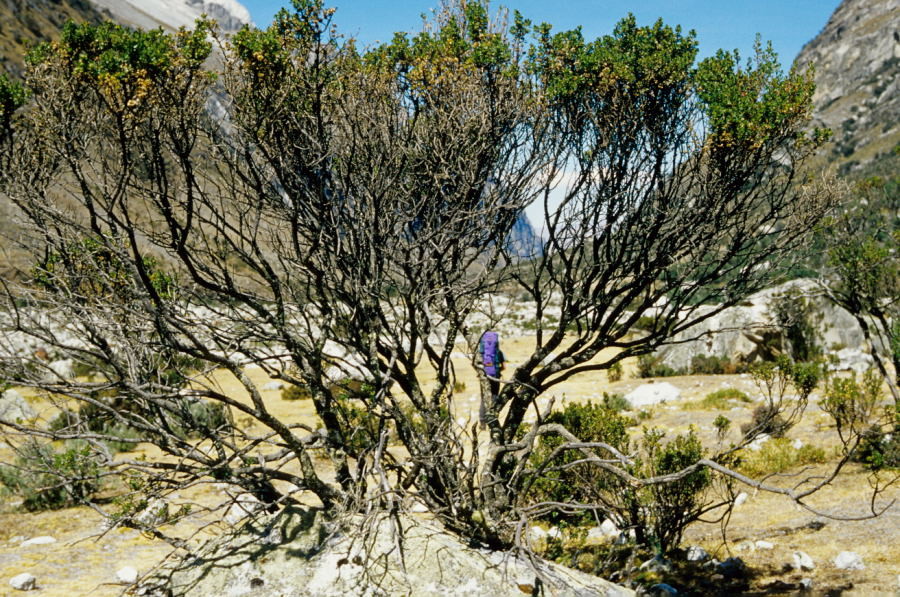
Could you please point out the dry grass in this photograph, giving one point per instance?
(78, 565)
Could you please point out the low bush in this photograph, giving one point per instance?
(659, 514)
(878, 449)
(615, 372)
(777, 456)
(722, 399)
(702, 364)
(293, 392)
(650, 365)
(615, 402)
(46, 479)
(766, 419)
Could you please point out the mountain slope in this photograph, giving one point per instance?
(172, 14)
(857, 59)
(24, 23)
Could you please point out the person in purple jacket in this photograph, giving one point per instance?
(492, 359)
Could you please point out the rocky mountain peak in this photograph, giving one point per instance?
(172, 14)
(856, 59)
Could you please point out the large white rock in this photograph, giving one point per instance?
(43, 540)
(244, 505)
(273, 385)
(741, 332)
(14, 407)
(156, 513)
(802, 561)
(316, 559)
(23, 582)
(127, 575)
(652, 393)
(849, 560)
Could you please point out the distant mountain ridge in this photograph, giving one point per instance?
(857, 60)
(172, 14)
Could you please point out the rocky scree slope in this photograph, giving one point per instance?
(857, 59)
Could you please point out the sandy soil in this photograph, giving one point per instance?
(82, 563)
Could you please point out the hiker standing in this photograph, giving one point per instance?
(492, 360)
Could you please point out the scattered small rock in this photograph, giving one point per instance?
(764, 545)
(244, 505)
(156, 513)
(697, 554)
(740, 499)
(732, 568)
(650, 394)
(802, 561)
(23, 582)
(849, 560)
(657, 564)
(806, 584)
(13, 406)
(797, 444)
(43, 540)
(554, 533)
(127, 575)
(757, 444)
(273, 385)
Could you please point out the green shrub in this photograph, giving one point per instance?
(615, 402)
(879, 450)
(46, 479)
(659, 513)
(615, 372)
(719, 400)
(766, 419)
(702, 364)
(298, 392)
(459, 387)
(851, 403)
(777, 456)
(650, 365)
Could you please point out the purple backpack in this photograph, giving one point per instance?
(489, 350)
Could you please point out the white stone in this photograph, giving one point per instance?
(806, 583)
(63, 368)
(127, 575)
(609, 528)
(802, 561)
(156, 513)
(273, 385)
(13, 406)
(652, 393)
(757, 444)
(244, 505)
(764, 545)
(418, 507)
(797, 444)
(697, 554)
(554, 533)
(848, 560)
(740, 499)
(43, 540)
(23, 582)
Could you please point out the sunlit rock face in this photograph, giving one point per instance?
(856, 59)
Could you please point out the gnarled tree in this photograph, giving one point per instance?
(328, 213)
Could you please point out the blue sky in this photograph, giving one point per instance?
(728, 24)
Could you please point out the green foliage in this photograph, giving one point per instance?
(722, 425)
(719, 400)
(650, 365)
(649, 67)
(659, 513)
(47, 479)
(781, 411)
(125, 66)
(95, 269)
(12, 97)
(615, 372)
(702, 364)
(795, 316)
(753, 105)
(615, 402)
(298, 392)
(880, 448)
(777, 456)
(850, 402)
